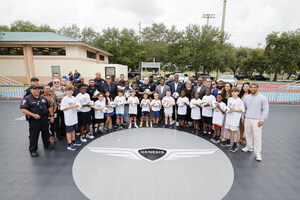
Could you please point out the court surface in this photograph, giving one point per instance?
(52, 175)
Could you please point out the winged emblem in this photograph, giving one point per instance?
(152, 154)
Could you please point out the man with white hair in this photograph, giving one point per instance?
(146, 85)
(208, 83)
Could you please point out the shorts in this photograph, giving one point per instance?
(132, 115)
(207, 120)
(180, 117)
(232, 128)
(84, 118)
(217, 126)
(155, 113)
(145, 113)
(168, 113)
(120, 115)
(109, 114)
(72, 128)
(99, 121)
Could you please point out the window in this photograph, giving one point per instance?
(14, 51)
(49, 51)
(90, 54)
(101, 57)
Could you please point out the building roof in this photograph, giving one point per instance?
(39, 37)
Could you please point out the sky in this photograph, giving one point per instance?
(248, 22)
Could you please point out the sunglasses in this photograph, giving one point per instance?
(56, 82)
(108, 78)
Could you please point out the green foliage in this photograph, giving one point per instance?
(23, 26)
(72, 31)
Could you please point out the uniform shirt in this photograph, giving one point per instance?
(145, 105)
(35, 105)
(233, 118)
(91, 92)
(70, 114)
(155, 108)
(218, 116)
(182, 109)
(132, 109)
(119, 110)
(99, 104)
(195, 112)
(83, 99)
(27, 92)
(171, 101)
(109, 109)
(99, 83)
(207, 111)
(144, 87)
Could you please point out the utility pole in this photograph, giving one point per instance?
(208, 16)
(222, 28)
(140, 29)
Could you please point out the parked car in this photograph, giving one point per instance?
(154, 75)
(133, 74)
(260, 78)
(229, 79)
(172, 73)
(240, 76)
(298, 77)
(205, 76)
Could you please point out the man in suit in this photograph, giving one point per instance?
(161, 91)
(176, 86)
(200, 87)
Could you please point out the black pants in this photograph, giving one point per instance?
(114, 119)
(93, 117)
(61, 123)
(54, 127)
(35, 127)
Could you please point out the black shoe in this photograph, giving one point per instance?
(34, 154)
(194, 131)
(234, 148)
(51, 146)
(223, 143)
(227, 143)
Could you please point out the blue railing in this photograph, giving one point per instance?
(12, 90)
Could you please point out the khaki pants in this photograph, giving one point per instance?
(253, 133)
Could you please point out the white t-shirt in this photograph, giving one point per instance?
(70, 114)
(195, 112)
(99, 104)
(218, 116)
(132, 109)
(119, 110)
(182, 109)
(83, 99)
(207, 111)
(233, 118)
(170, 100)
(145, 105)
(109, 109)
(155, 108)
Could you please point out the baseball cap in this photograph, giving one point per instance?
(36, 86)
(34, 79)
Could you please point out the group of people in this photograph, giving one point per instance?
(215, 109)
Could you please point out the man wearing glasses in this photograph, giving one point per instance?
(55, 76)
(155, 84)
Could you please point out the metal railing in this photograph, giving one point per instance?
(273, 94)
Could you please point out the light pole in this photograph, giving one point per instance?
(208, 16)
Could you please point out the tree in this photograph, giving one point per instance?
(256, 61)
(23, 26)
(241, 55)
(72, 31)
(46, 28)
(4, 28)
(89, 35)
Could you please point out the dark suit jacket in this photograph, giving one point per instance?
(202, 91)
(180, 86)
(113, 91)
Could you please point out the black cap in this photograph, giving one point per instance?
(77, 81)
(36, 86)
(34, 79)
(133, 81)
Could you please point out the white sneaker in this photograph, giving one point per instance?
(89, 136)
(77, 133)
(177, 124)
(82, 139)
(136, 126)
(247, 149)
(129, 127)
(209, 133)
(258, 157)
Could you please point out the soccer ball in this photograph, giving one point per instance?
(167, 105)
(180, 103)
(133, 103)
(113, 104)
(214, 104)
(175, 95)
(127, 95)
(147, 91)
(193, 104)
(91, 103)
(121, 103)
(144, 102)
(226, 109)
(96, 93)
(79, 106)
(156, 104)
(104, 110)
(203, 102)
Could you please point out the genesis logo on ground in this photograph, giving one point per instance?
(161, 165)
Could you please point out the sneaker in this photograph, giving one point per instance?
(89, 136)
(135, 126)
(204, 132)
(77, 133)
(110, 130)
(194, 131)
(147, 125)
(82, 138)
(223, 143)
(72, 147)
(234, 148)
(209, 133)
(141, 125)
(247, 149)
(218, 140)
(213, 140)
(77, 143)
(171, 127)
(122, 127)
(258, 157)
(129, 127)
(227, 143)
(164, 126)
(34, 154)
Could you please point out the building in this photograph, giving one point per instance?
(40, 54)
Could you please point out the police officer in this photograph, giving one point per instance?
(144, 86)
(99, 81)
(33, 81)
(36, 108)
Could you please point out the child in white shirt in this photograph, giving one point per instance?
(182, 110)
(168, 109)
(120, 109)
(99, 114)
(196, 113)
(145, 104)
(110, 111)
(155, 110)
(218, 118)
(207, 111)
(133, 103)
